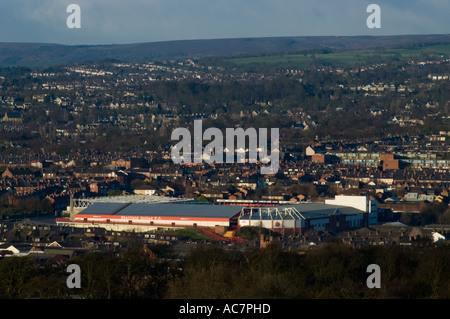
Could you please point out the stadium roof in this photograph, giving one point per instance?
(314, 209)
(162, 210)
(298, 211)
(173, 209)
(129, 199)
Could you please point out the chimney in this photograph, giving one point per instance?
(72, 210)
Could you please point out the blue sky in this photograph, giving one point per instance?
(131, 21)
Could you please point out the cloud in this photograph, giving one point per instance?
(127, 21)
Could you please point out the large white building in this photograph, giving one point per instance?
(363, 203)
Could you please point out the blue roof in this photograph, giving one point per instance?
(163, 210)
(104, 208)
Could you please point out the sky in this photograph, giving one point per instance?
(134, 21)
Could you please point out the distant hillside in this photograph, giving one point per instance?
(41, 54)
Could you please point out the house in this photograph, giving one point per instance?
(40, 164)
(36, 250)
(145, 190)
(392, 199)
(214, 194)
(391, 164)
(19, 250)
(247, 183)
(437, 237)
(273, 197)
(80, 173)
(318, 158)
(121, 162)
(18, 173)
(310, 151)
(12, 117)
(419, 197)
(23, 188)
(168, 191)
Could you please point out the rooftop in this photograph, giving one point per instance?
(127, 199)
(299, 211)
(162, 210)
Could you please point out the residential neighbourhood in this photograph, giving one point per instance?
(104, 127)
(87, 170)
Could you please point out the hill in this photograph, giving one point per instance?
(12, 54)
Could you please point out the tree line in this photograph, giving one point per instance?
(332, 270)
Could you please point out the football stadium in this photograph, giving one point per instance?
(142, 216)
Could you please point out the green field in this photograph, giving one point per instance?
(344, 58)
(192, 233)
